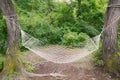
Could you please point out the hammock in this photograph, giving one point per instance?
(59, 54)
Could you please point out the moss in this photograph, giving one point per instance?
(118, 53)
(112, 63)
(28, 66)
(12, 62)
(98, 59)
(1, 61)
(108, 48)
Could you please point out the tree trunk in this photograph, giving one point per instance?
(12, 23)
(13, 35)
(110, 45)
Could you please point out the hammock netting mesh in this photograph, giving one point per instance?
(58, 54)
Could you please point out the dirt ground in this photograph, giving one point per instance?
(81, 70)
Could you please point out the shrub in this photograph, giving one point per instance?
(28, 66)
(1, 61)
(82, 38)
(119, 41)
(98, 58)
(50, 22)
(83, 26)
(72, 39)
(3, 35)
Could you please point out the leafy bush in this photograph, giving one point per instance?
(119, 41)
(1, 61)
(98, 58)
(28, 66)
(50, 22)
(72, 39)
(119, 36)
(86, 28)
(93, 11)
(3, 35)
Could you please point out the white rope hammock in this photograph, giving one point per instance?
(58, 54)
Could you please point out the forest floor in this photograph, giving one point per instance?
(84, 69)
(81, 70)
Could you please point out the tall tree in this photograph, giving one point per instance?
(13, 33)
(110, 45)
(12, 23)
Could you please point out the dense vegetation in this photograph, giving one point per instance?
(57, 22)
(51, 22)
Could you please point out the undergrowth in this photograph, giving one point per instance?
(28, 66)
(98, 57)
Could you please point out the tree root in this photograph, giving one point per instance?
(29, 74)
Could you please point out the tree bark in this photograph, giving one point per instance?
(110, 45)
(12, 24)
(12, 62)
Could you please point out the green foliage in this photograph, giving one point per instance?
(83, 26)
(1, 61)
(28, 66)
(119, 36)
(98, 58)
(3, 34)
(73, 39)
(12, 62)
(51, 26)
(112, 64)
(50, 21)
(93, 11)
(119, 41)
(70, 39)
